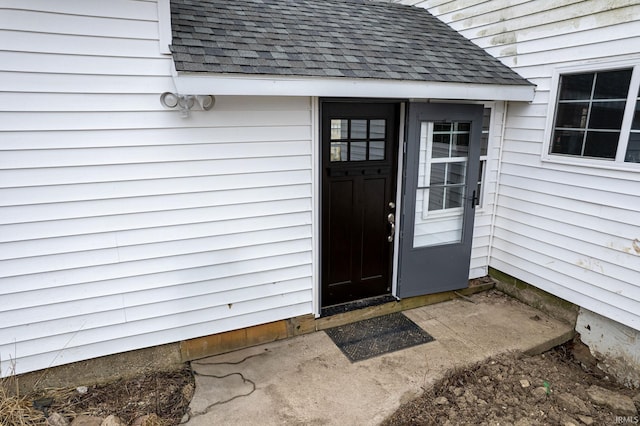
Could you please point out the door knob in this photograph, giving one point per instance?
(392, 220)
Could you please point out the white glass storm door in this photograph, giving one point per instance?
(440, 193)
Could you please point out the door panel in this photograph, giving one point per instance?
(359, 151)
(373, 262)
(441, 166)
(341, 242)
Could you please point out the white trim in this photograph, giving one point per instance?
(346, 87)
(164, 26)
(618, 162)
(496, 196)
(316, 157)
(629, 112)
(399, 188)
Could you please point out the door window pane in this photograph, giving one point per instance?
(438, 173)
(339, 151)
(442, 127)
(441, 181)
(456, 173)
(377, 129)
(358, 129)
(358, 151)
(451, 139)
(357, 140)
(376, 150)
(460, 147)
(339, 129)
(454, 197)
(436, 198)
(441, 145)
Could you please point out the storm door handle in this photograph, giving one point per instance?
(474, 200)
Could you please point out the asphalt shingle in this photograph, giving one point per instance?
(328, 38)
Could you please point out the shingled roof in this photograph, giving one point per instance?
(327, 38)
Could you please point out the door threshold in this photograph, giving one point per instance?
(356, 304)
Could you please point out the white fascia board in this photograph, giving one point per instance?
(212, 84)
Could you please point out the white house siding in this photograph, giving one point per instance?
(123, 225)
(482, 221)
(570, 230)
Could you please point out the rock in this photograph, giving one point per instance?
(572, 404)
(82, 390)
(620, 405)
(525, 383)
(57, 419)
(148, 420)
(582, 354)
(112, 421)
(458, 391)
(585, 419)
(85, 420)
(569, 423)
(539, 393)
(470, 397)
(441, 401)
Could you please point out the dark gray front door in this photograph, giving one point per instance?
(440, 178)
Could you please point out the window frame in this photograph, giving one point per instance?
(484, 159)
(625, 129)
(444, 212)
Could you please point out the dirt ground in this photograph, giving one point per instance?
(515, 389)
(162, 394)
(511, 389)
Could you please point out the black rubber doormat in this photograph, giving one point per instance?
(377, 336)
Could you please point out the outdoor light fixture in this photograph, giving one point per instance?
(185, 103)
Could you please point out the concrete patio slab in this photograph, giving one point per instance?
(307, 380)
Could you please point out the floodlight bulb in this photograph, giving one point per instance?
(169, 100)
(207, 101)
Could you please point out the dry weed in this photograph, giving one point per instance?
(163, 395)
(16, 409)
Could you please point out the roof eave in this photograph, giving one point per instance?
(265, 85)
